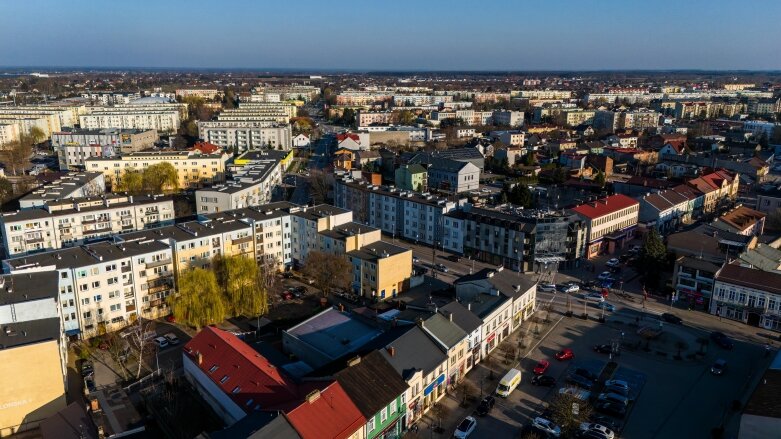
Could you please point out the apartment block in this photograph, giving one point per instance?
(252, 185)
(204, 93)
(132, 117)
(111, 97)
(47, 123)
(366, 118)
(33, 351)
(73, 147)
(9, 132)
(71, 185)
(246, 135)
(194, 168)
(610, 223)
(70, 222)
(508, 118)
(749, 295)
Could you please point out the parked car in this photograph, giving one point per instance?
(613, 262)
(87, 368)
(606, 306)
(671, 318)
(605, 275)
(578, 393)
(170, 318)
(617, 383)
(565, 354)
(161, 342)
(544, 381)
(415, 259)
(173, 340)
(719, 367)
(541, 367)
(603, 348)
(286, 295)
(613, 397)
(592, 434)
(585, 373)
(441, 267)
(454, 258)
(592, 426)
(597, 297)
(546, 426)
(486, 405)
(625, 257)
(287, 274)
(580, 381)
(546, 288)
(623, 391)
(89, 384)
(465, 428)
(571, 288)
(611, 408)
(722, 340)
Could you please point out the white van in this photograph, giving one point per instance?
(508, 383)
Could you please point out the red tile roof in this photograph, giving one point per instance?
(605, 206)
(206, 147)
(329, 414)
(249, 374)
(341, 137)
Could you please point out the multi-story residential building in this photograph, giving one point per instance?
(131, 117)
(69, 222)
(193, 168)
(205, 93)
(749, 295)
(513, 154)
(486, 300)
(292, 92)
(252, 185)
(452, 176)
(75, 146)
(415, 216)
(741, 220)
(366, 118)
(508, 118)
(72, 185)
(768, 199)
(111, 97)
(693, 279)
(47, 123)
(759, 128)
(452, 340)
(411, 178)
(575, 117)
(610, 223)
(472, 327)
(418, 100)
(9, 132)
(765, 107)
(245, 135)
(362, 98)
(68, 115)
(545, 94)
(512, 138)
(720, 189)
(521, 240)
(105, 285)
(640, 119)
(33, 351)
(381, 270)
(667, 210)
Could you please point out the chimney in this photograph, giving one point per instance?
(341, 307)
(469, 306)
(450, 316)
(391, 351)
(313, 396)
(199, 356)
(354, 361)
(94, 405)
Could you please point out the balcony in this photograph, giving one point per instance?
(238, 241)
(152, 212)
(33, 240)
(130, 308)
(153, 264)
(157, 288)
(125, 269)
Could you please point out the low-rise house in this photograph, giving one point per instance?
(472, 327)
(610, 222)
(453, 176)
(693, 279)
(513, 154)
(749, 295)
(453, 342)
(411, 178)
(741, 220)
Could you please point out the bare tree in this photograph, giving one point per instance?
(138, 341)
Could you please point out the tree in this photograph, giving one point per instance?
(653, 258)
(6, 190)
(16, 155)
(559, 175)
(131, 181)
(199, 301)
(406, 117)
(138, 342)
(36, 135)
(600, 179)
(161, 177)
(528, 159)
(328, 271)
(519, 195)
(564, 416)
(245, 293)
(229, 99)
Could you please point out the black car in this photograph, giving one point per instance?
(486, 405)
(454, 258)
(585, 373)
(87, 368)
(671, 318)
(593, 434)
(603, 348)
(604, 420)
(722, 340)
(544, 380)
(580, 381)
(611, 408)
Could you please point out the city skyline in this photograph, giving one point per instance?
(590, 36)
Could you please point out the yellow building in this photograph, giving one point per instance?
(194, 168)
(381, 270)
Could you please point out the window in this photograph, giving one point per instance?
(392, 408)
(383, 415)
(223, 379)
(213, 368)
(236, 389)
(85, 301)
(370, 425)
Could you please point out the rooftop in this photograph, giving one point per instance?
(742, 217)
(333, 333)
(20, 334)
(750, 278)
(23, 287)
(444, 330)
(605, 206)
(377, 250)
(87, 255)
(371, 372)
(326, 413)
(71, 206)
(413, 351)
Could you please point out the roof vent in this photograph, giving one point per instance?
(313, 396)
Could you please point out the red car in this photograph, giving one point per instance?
(565, 354)
(541, 367)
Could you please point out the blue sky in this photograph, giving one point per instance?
(394, 35)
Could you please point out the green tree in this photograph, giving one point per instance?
(559, 175)
(563, 415)
(653, 258)
(406, 117)
(229, 99)
(600, 179)
(242, 284)
(198, 301)
(131, 181)
(520, 195)
(16, 155)
(161, 177)
(528, 159)
(328, 271)
(6, 190)
(36, 135)
(348, 117)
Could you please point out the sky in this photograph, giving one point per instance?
(394, 35)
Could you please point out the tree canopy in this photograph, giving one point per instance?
(653, 258)
(328, 271)
(199, 301)
(242, 284)
(157, 178)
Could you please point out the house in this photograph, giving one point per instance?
(466, 154)
(364, 157)
(353, 141)
(378, 392)
(419, 362)
(610, 222)
(720, 188)
(411, 178)
(664, 211)
(343, 159)
(749, 295)
(741, 220)
(206, 148)
(601, 163)
(453, 176)
(471, 325)
(453, 342)
(693, 278)
(301, 141)
(672, 149)
(513, 154)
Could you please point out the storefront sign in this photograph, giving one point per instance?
(437, 382)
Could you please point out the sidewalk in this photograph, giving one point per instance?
(485, 376)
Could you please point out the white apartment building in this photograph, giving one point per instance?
(205, 93)
(610, 223)
(417, 100)
(508, 118)
(366, 118)
(111, 98)
(164, 121)
(246, 135)
(307, 222)
(9, 132)
(545, 94)
(252, 185)
(66, 116)
(70, 222)
(72, 185)
(106, 285)
(749, 295)
(47, 123)
(75, 146)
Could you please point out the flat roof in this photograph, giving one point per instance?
(334, 333)
(42, 212)
(85, 255)
(23, 287)
(19, 334)
(377, 250)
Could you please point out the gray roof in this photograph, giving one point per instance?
(258, 425)
(333, 333)
(25, 287)
(444, 330)
(321, 210)
(447, 165)
(40, 212)
(413, 351)
(375, 373)
(377, 250)
(86, 255)
(462, 317)
(29, 332)
(459, 154)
